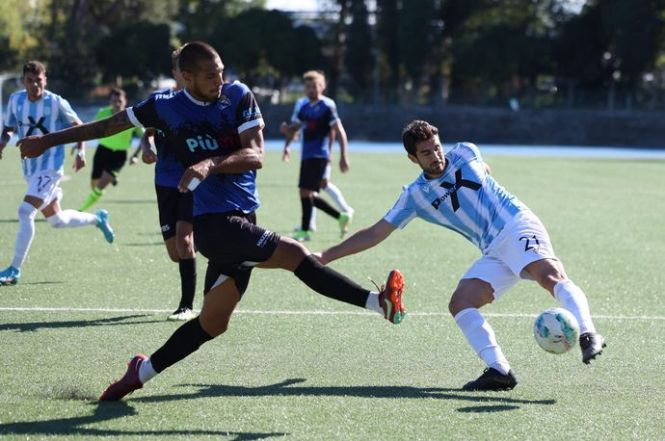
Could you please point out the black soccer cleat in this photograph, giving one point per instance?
(492, 379)
(592, 345)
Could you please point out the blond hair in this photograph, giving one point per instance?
(314, 75)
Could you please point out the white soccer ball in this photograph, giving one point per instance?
(556, 330)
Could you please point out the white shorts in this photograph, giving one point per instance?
(45, 186)
(522, 241)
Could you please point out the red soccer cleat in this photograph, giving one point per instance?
(390, 298)
(128, 383)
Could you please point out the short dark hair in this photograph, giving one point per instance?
(193, 52)
(175, 55)
(415, 132)
(34, 67)
(117, 91)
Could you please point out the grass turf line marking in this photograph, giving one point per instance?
(256, 312)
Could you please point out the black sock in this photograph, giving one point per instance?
(325, 206)
(306, 213)
(330, 283)
(187, 282)
(185, 340)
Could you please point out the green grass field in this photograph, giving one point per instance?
(296, 365)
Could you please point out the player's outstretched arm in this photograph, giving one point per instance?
(360, 241)
(33, 146)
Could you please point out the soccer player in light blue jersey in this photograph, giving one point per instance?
(215, 128)
(316, 116)
(33, 111)
(456, 191)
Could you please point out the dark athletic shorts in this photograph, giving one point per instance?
(233, 244)
(311, 172)
(173, 206)
(107, 160)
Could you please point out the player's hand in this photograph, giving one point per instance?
(148, 156)
(284, 129)
(286, 155)
(344, 164)
(79, 162)
(193, 175)
(32, 146)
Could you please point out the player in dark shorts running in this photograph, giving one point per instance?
(175, 208)
(215, 129)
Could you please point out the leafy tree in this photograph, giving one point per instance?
(359, 57)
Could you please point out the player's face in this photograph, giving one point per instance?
(34, 84)
(118, 103)
(205, 84)
(314, 89)
(429, 156)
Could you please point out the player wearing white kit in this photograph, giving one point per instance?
(456, 191)
(33, 111)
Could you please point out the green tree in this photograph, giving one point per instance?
(359, 57)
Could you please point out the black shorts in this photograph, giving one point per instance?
(233, 244)
(173, 207)
(107, 160)
(311, 173)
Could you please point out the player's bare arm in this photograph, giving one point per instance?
(5, 137)
(340, 134)
(33, 146)
(289, 130)
(249, 157)
(145, 146)
(359, 241)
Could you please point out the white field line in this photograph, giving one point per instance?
(313, 313)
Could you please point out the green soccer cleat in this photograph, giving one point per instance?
(302, 236)
(344, 220)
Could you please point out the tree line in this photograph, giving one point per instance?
(531, 53)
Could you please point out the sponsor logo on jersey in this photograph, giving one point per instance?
(165, 228)
(452, 188)
(205, 142)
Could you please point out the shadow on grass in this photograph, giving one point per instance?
(130, 201)
(105, 412)
(143, 244)
(288, 388)
(112, 321)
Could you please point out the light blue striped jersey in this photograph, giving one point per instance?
(465, 199)
(48, 114)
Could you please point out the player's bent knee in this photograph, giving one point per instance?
(470, 294)
(56, 221)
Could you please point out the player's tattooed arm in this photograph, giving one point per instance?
(33, 146)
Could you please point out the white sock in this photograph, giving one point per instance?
(373, 302)
(312, 220)
(146, 371)
(574, 300)
(337, 196)
(71, 219)
(480, 336)
(25, 234)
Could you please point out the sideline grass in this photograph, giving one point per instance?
(338, 376)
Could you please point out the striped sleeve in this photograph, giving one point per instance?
(10, 115)
(402, 212)
(66, 112)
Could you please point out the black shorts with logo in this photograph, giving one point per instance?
(311, 173)
(173, 206)
(233, 244)
(107, 160)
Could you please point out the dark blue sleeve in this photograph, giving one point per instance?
(145, 113)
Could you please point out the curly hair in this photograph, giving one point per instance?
(415, 132)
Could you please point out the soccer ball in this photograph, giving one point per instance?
(556, 330)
